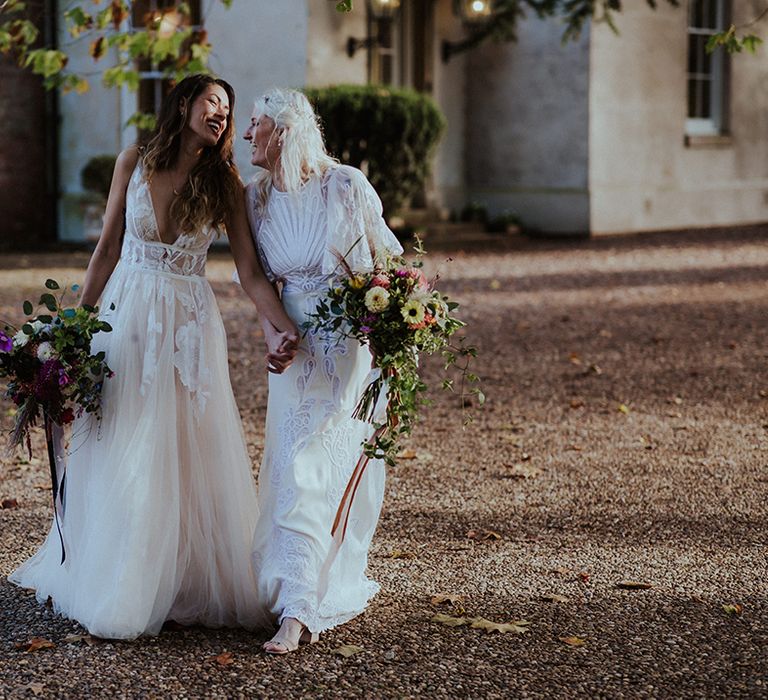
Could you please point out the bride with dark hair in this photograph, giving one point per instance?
(160, 500)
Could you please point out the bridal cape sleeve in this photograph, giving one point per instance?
(356, 227)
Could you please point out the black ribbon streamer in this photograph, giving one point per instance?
(56, 487)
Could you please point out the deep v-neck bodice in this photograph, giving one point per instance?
(152, 206)
(141, 219)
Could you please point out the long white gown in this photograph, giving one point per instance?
(312, 442)
(160, 499)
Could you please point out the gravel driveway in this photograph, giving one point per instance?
(624, 439)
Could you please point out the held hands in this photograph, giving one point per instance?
(281, 348)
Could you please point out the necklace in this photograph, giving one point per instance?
(177, 190)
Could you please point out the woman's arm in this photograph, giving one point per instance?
(107, 251)
(252, 277)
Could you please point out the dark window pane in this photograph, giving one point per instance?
(691, 99)
(692, 53)
(706, 99)
(699, 61)
(712, 14)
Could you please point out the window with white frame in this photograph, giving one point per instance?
(707, 72)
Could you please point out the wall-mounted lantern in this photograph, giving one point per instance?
(474, 14)
(379, 11)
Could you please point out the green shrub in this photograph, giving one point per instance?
(392, 132)
(96, 176)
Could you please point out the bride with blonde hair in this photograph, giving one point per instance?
(305, 209)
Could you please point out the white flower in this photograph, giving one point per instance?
(376, 299)
(20, 339)
(37, 326)
(422, 296)
(413, 311)
(44, 351)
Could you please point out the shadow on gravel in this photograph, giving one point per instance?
(446, 530)
(591, 279)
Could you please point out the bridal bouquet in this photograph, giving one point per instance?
(397, 311)
(49, 365)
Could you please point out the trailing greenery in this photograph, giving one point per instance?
(96, 176)
(391, 133)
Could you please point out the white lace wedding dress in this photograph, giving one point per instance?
(312, 441)
(160, 500)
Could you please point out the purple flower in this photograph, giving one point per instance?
(402, 273)
(6, 342)
(47, 383)
(365, 329)
(370, 318)
(63, 378)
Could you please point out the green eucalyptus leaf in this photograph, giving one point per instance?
(28, 308)
(49, 301)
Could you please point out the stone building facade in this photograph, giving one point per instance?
(611, 133)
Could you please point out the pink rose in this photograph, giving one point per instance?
(380, 280)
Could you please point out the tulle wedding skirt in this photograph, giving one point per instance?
(160, 500)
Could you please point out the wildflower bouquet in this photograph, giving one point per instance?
(397, 312)
(49, 364)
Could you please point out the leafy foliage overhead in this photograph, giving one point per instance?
(574, 14)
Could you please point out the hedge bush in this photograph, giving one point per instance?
(96, 175)
(390, 133)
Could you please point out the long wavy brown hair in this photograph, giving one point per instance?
(210, 193)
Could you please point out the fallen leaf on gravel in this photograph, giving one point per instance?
(623, 408)
(677, 400)
(562, 571)
(634, 585)
(605, 334)
(516, 626)
(646, 442)
(574, 448)
(407, 454)
(573, 641)
(733, 608)
(555, 598)
(401, 554)
(224, 659)
(576, 403)
(36, 689)
(347, 650)
(450, 598)
(35, 644)
(9, 504)
(574, 358)
(80, 638)
(42, 486)
(450, 620)
(583, 576)
(593, 369)
(513, 439)
(483, 535)
(520, 471)
(763, 393)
